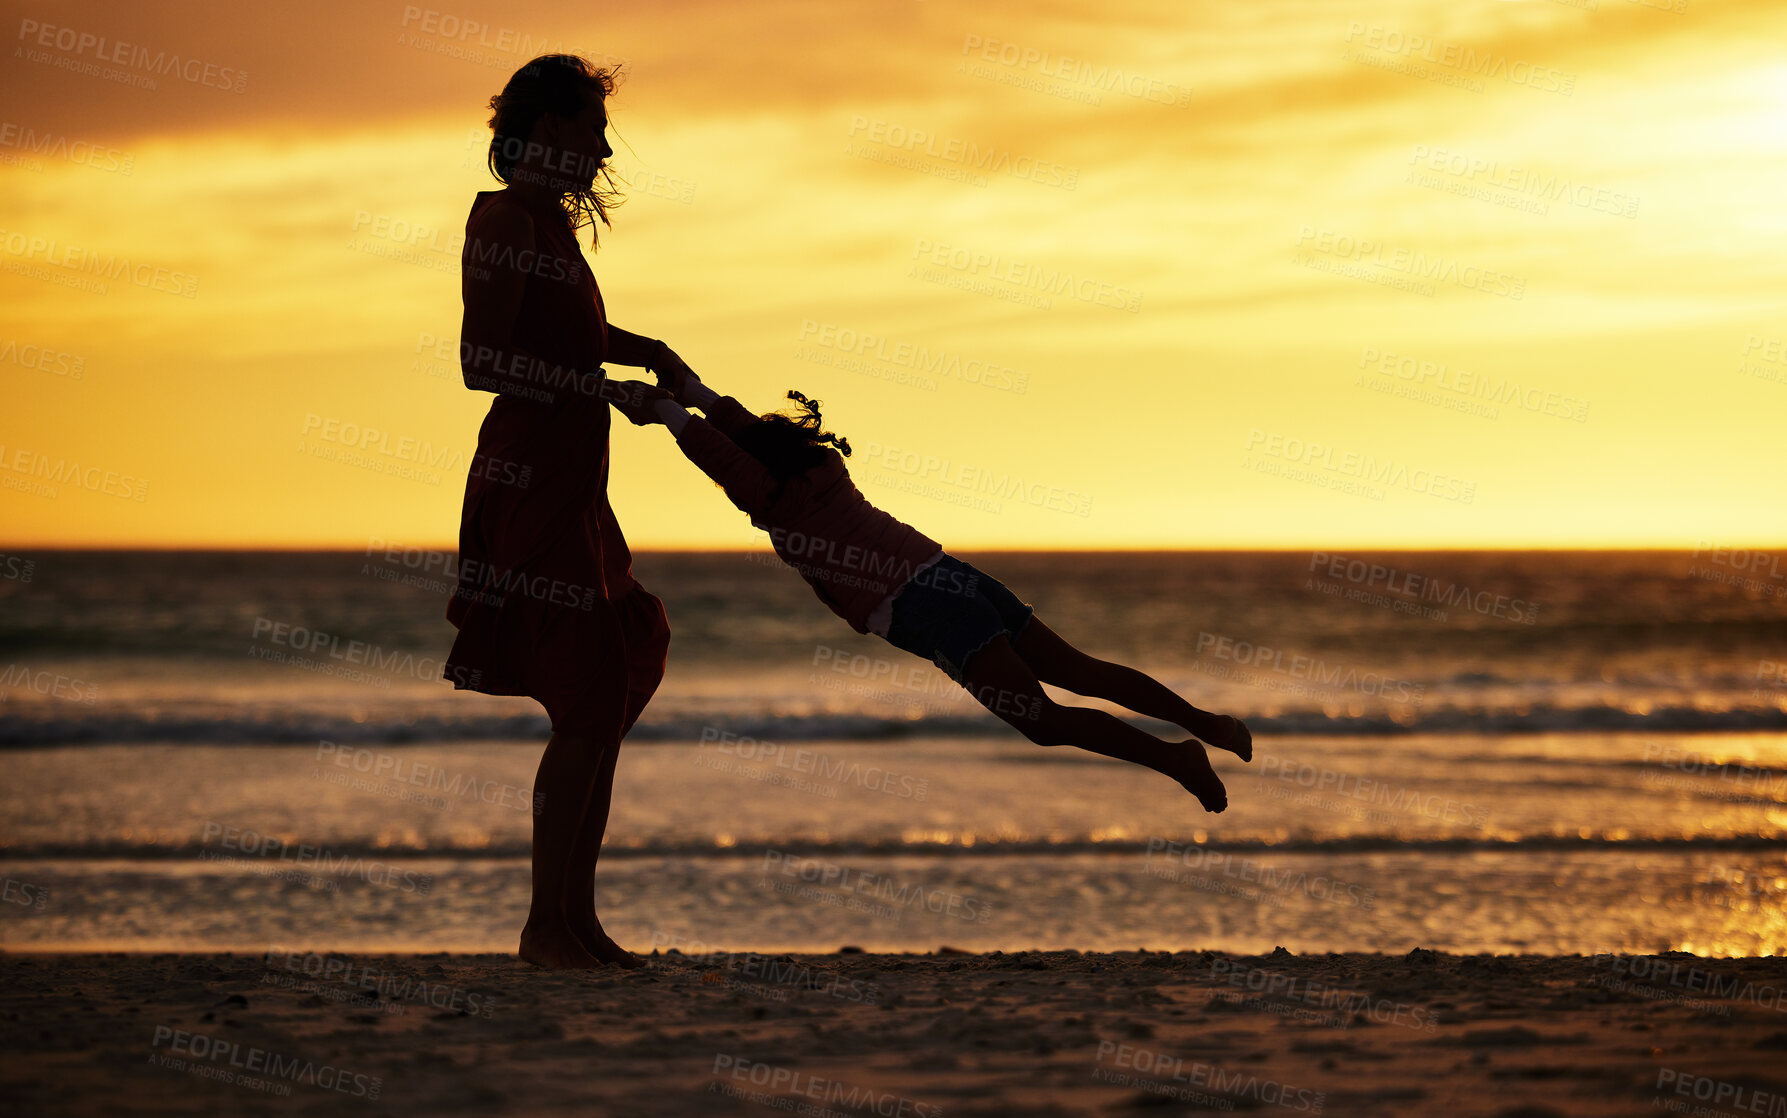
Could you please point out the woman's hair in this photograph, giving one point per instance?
(561, 84)
(790, 444)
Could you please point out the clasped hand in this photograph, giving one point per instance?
(635, 399)
(672, 371)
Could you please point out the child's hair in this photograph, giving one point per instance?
(788, 444)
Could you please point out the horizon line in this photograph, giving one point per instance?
(366, 549)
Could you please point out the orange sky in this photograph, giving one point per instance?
(1273, 273)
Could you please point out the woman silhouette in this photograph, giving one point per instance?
(546, 604)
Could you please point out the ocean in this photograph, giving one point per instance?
(1552, 752)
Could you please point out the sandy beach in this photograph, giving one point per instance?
(943, 1033)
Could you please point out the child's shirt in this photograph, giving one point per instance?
(850, 552)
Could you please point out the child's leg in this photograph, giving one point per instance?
(1003, 683)
(1057, 662)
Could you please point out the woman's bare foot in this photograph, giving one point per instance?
(1225, 731)
(611, 952)
(555, 948)
(1193, 771)
(597, 943)
(595, 940)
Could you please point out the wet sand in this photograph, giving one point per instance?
(913, 1036)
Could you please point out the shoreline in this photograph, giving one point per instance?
(946, 1032)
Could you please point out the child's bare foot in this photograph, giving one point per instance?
(1193, 771)
(555, 948)
(1225, 731)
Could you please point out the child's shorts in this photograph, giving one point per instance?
(950, 610)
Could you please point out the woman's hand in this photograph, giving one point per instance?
(635, 399)
(672, 371)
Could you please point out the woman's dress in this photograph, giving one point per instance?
(546, 603)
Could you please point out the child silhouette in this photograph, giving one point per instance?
(885, 577)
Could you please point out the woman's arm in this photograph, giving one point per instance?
(628, 348)
(489, 358)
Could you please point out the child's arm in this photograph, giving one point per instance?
(722, 411)
(746, 482)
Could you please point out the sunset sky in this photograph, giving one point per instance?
(1259, 273)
